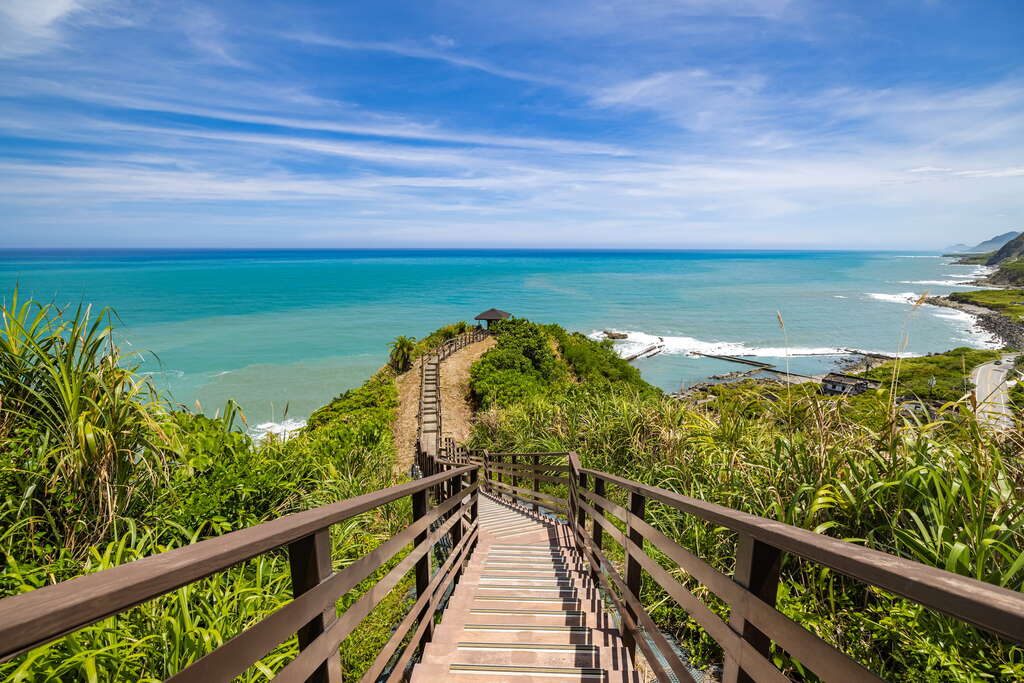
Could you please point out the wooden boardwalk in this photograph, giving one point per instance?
(525, 609)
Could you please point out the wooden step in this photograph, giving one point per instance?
(524, 610)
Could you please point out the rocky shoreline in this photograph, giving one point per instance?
(1009, 332)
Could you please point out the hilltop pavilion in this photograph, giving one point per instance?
(493, 314)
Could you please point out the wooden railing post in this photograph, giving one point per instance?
(580, 514)
(597, 533)
(456, 490)
(419, 509)
(514, 478)
(757, 570)
(633, 569)
(536, 481)
(310, 562)
(577, 509)
(474, 506)
(506, 478)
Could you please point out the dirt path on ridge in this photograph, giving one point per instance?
(456, 414)
(405, 427)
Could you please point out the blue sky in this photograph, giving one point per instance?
(534, 123)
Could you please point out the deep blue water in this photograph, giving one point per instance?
(294, 328)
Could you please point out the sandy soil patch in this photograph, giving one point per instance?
(456, 413)
(405, 426)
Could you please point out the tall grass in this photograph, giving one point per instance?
(945, 492)
(78, 425)
(96, 470)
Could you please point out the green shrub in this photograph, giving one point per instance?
(97, 470)
(521, 363)
(939, 377)
(1009, 302)
(948, 494)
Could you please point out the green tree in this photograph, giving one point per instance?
(401, 353)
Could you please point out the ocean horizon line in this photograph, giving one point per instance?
(513, 250)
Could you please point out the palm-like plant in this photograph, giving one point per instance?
(401, 353)
(84, 425)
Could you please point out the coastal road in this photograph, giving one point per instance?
(992, 392)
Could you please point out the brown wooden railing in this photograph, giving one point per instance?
(444, 505)
(557, 482)
(430, 428)
(450, 346)
(33, 619)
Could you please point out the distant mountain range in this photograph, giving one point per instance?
(997, 242)
(1011, 250)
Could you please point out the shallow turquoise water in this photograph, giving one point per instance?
(288, 330)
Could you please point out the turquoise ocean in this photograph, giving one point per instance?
(283, 332)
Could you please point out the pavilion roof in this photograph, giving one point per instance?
(493, 314)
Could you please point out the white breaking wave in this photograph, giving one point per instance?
(839, 296)
(177, 374)
(941, 283)
(978, 270)
(973, 334)
(284, 430)
(638, 341)
(901, 298)
(905, 256)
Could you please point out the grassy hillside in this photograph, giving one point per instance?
(938, 377)
(97, 469)
(1009, 302)
(1009, 273)
(945, 494)
(973, 259)
(1013, 249)
(532, 359)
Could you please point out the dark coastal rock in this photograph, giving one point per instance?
(1008, 331)
(615, 335)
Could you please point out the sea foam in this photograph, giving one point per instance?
(940, 283)
(901, 298)
(283, 430)
(973, 335)
(638, 341)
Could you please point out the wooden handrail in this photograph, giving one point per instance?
(32, 619)
(990, 607)
(751, 591)
(38, 617)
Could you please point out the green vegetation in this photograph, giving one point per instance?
(944, 493)
(938, 377)
(1014, 249)
(1009, 302)
(1009, 273)
(400, 358)
(96, 470)
(973, 259)
(535, 359)
(439, 336)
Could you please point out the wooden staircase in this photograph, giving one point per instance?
(525, 609)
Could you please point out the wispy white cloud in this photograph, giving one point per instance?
(667, 149)
(694, 98)
(419, 52)
(361, 123)
(33, 26)
(206, 32)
